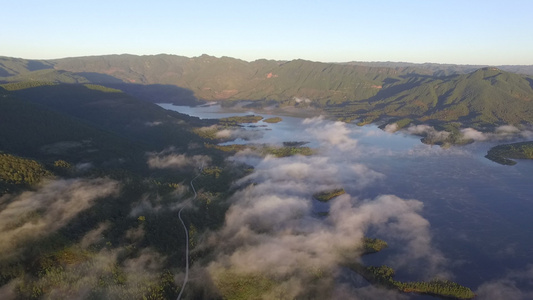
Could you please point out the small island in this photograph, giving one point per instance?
(383, 276)
(372, 245)
(236, 120)
(273, 120)
(264, 150)
(294, 144)
(325, 196)
(502, 154)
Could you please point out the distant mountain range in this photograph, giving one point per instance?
(475, 96)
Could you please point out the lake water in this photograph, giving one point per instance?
(480, 212)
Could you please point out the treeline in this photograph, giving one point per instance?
(502, 153)
(18, 170)
(383, 275)
(236, 120)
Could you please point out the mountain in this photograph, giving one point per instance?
(369, 92)
(480, 99)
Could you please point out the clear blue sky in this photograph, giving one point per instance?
(441, 31)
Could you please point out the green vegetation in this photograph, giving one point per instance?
(294, 144)
(15, 86)
(373, 245)
(502, 153)
(20, 171)
(102, 88)
(286, 151)
(234, 286)
(273, 120)
(236, 120)
(383, 276)
(328, 195)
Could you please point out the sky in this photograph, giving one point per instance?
(440, 31)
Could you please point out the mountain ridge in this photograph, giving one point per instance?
(367, 92)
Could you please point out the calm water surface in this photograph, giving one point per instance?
(480, 212)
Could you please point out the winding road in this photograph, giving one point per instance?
(187, 242)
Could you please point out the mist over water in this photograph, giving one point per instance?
(444, 212)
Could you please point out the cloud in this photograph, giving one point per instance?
(302, 100)
(152, 124)
(429, 132)
(167, 159)
(272, 229)
(504, 132)
(515, 285)
(102, 275)
(391, 128)
(35, 213)
(472, 134)
(329, 133)
(239, 133)
(94, 236)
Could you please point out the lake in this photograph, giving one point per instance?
(480, 213)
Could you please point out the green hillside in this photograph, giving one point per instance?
(102, 207)
(367, 92)
(484, 98)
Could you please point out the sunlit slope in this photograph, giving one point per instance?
(225, 78)
(488, 96)
(14, 66)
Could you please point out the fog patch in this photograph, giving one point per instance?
(65, 146)
(329, 133)
(391, 128)
(102, 276)
(33, 214)
(302, 100)
(168, 159)
(94, 236)
(238, 133)
(509, 287)
(429, 132)
(272, 230)
(152, 124)
(504, 132)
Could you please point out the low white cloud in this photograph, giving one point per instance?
(271, 228)
(152, 124)
(391, 128)
(238, 133)
(33, 213)
(429, 132)
(504, 132)
(514, 285)
(302, 100)
(168, 159)
(336, 134)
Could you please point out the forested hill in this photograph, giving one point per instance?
(477, 97)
